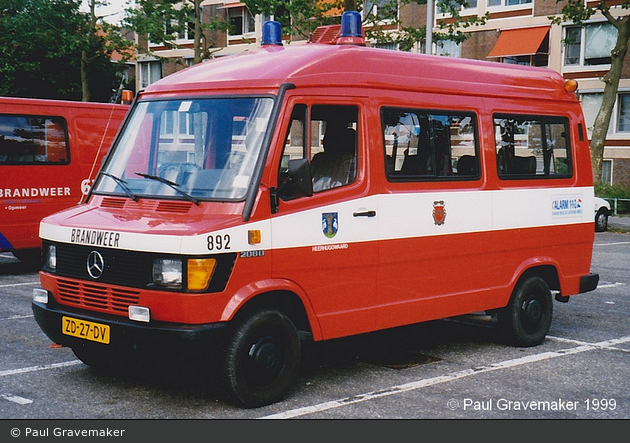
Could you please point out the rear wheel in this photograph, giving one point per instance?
(261, 359)
(526, 319)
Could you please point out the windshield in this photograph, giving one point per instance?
(188, 149)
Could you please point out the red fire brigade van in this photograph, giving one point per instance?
(50, 151)
(320, 191)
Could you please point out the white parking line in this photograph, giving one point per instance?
(16, 399)
(17, 317)
(39, 368)
(610, 285)
(19, 284)
(443, 379)
(612, 244)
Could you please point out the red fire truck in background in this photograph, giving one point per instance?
(50, 152)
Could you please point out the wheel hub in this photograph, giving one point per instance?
(266, 358)
(532, 310)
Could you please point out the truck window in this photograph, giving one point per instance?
(329, 143)
(532, 146)
(422, 145)
(28, 139)
(202, 148)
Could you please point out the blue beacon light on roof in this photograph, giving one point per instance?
(351, 32)
(271, 33)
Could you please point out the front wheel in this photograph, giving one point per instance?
(261, 359)
(526, 319)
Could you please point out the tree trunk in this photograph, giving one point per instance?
(611, 80)
(198, 50)
(85, 84)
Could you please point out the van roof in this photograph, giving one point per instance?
(324, 65)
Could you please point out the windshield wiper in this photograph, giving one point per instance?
(171, 184)
(123, 184)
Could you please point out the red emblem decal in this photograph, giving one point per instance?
(439, 212)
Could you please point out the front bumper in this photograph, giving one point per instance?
(128, 335)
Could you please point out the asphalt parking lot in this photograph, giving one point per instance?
(451, 369)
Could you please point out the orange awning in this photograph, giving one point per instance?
(514, 42)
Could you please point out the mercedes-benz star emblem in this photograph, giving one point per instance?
(95, 264)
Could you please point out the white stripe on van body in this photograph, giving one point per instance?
(398, 216)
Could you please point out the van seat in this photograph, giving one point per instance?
(467, 165)
(522, 165)
(335, 166)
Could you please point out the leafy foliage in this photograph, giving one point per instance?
(42, 43)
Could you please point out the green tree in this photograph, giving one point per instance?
(98, 40)
(160, 21)
(49, 49)
(301, 17)
(578, 12)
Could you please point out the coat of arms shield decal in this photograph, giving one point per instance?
(439, 212)
(330, 223)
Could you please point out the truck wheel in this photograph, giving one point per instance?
(526, 319)
(261, 359)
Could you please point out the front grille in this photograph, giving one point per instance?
(96, 296)
(122, 268)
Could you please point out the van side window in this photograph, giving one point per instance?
(327, 136)
(532, 146)
(28, 139)
(423, 145)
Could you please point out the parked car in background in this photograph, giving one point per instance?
(602, 212)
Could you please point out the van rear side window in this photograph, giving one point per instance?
(29, 139)
(425, 145)
(532, 147)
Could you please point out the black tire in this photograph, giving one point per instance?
(30, 257)
(526, 320)
(601, 221)
(261, 359)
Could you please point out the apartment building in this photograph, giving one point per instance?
(517, 31)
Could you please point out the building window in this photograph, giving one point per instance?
(150, 72)
(590, 45)
(623, 113)
(590, 106)
(620, 120)
(505, 3)
(448, 48)
(607, 172)
(241, 21)
(374, 7)
(470, 4)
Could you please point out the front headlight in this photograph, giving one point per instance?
(167, 272)
(50, 259)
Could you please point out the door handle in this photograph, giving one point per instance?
(365, 214)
